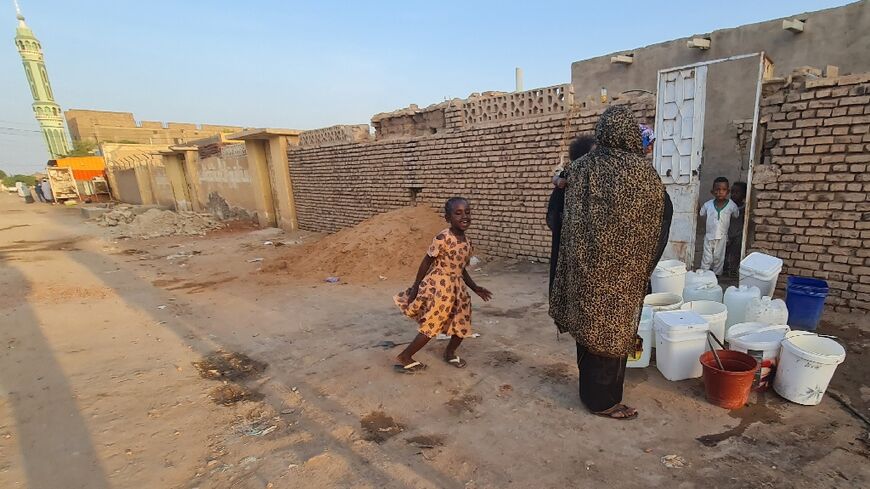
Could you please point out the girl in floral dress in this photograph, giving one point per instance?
(438, 299)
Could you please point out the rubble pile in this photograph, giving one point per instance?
(155, 223)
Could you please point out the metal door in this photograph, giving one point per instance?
(678, 150)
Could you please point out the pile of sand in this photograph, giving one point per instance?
(155, 223)
(389, 245)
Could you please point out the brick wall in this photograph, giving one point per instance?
(504, 168)
(812, 208)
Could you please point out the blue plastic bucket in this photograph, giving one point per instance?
(805, 300)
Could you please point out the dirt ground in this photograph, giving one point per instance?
(181, 363)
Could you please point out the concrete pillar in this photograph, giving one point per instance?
(282, 185)
(259, 167)
(143, 180)
(270, 175)
(175, 172)
(190, 158)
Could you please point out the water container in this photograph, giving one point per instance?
(669, 276)
(701, 277)
(806, 364)
(640, 358)
(680, 340)
(767, 310)
(715, 313)
(702, 292)
(663, 301)
(740, 329)
(761, 271)
(805, 298)
(763, 344)
(736, 300)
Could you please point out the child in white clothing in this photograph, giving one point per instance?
(718, 212)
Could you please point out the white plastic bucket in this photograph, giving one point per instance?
(762, 271)
(702, 292)
(669, 276)
(680, 340)
(807, 362)
(715, 313)
(663, 301)
(640, 359)
(763, 344)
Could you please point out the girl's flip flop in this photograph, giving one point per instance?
(410, 368)
(457, 362)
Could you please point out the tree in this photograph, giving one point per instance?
(3, 174)
(82, 148)
(9, 181)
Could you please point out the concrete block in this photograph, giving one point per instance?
(89, 212)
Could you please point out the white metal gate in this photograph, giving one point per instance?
(679, 147)
(678, 150)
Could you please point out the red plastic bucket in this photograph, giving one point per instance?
(728, 388)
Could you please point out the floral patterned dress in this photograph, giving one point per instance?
(443, 304)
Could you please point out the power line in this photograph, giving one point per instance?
(18, 129)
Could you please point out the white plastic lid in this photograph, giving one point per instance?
(741, 329)
(770, 339)
(680, 322)
(762, 263)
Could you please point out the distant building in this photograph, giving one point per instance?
(101, 126)
(48, 112)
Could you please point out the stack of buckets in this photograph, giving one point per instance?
(679, 330)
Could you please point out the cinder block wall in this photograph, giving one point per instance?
(813, 192)
(503, 167)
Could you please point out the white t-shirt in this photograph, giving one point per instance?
(718, 221)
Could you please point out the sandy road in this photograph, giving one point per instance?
(97, 341)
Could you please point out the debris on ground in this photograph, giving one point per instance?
(229, 394)
(674, 462)
(257, 428)
(222, 365)
(380, 427)
(154, 223)
(426, 441)
(387, 245)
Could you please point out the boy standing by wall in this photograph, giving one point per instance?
(719, 210)
(735, 230)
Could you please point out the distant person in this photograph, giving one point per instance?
(37, 189)
(556, 207)
(719, 210)
(611, 234)
(46, 190)
(438, 299)
(648, 138)
(735, 230)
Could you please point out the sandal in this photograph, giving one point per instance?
(456, 362)
(620, 412)
(410, 368)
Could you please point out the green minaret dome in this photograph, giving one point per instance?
(47, 111)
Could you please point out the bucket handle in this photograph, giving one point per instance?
(711, 335)
(830, 337)
(713, 349)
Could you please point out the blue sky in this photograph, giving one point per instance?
(313, 64)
